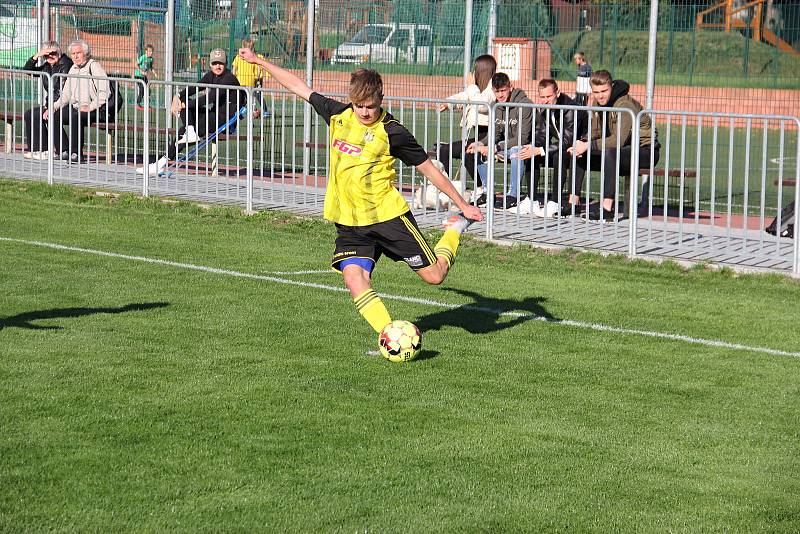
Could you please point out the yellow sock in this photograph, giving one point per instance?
(447, 246)
(370, 306)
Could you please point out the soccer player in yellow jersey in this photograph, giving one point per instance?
(372, 218)
(250, 74)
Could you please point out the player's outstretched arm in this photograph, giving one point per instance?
(281, 75)
(445, 186)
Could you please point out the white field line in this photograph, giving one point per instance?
(293, 273)
(414, 300)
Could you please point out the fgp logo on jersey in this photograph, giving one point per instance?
(346, 148)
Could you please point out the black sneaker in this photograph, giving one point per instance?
(566, 209)
(505, 202)
(481, 200)
(601, 214)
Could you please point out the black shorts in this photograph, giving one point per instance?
(399, 239)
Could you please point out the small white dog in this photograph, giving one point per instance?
(429, 196)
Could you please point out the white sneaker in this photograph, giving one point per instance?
(524, 207)
(40, 155)
(189, 137)
(536, 209)
(458, 222)
(476, 194)
(154, 169)
(551, 209)
(28, 155)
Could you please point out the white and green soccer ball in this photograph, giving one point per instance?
(400, 341)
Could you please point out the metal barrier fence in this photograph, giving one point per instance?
(551, 179)
(724, 178)
(69, 142)
(716, 183)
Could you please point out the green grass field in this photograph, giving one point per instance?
(199, 378)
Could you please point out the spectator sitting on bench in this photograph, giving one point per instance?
(477, 97)
(554, 134)
(512, 129)
(204, 114)
(601, 150)
(82, 102)
(36, 132)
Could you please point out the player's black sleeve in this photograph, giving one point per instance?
(402, 144)
(326, 107)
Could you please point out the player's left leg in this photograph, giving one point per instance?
(400, 239)
(445, 250)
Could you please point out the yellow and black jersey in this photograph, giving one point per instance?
(360, 186)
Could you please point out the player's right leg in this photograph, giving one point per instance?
(355, 257)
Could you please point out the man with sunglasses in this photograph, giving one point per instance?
(50, 60)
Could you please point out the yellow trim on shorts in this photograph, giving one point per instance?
(414, 231)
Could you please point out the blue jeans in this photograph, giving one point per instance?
(516, 165)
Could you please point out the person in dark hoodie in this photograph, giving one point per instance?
(205, 113)
(36, 132)
(512, 129)
(612, 146)
(554, 134)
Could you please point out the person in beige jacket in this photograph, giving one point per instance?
(83, 101)
(605, 148)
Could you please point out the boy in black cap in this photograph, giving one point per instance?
(206, 112)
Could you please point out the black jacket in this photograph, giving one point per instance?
(223, 102)
(62, 66)
(561, 131)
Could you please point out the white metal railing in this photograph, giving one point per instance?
(717, 182)
(725, 177)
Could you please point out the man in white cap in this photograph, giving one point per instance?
(203, 109)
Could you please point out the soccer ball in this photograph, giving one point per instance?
(400, 341)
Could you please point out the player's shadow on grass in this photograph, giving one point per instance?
(486, 314)
(25, 320)
(426, 355)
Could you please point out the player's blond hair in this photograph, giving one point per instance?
(365, 85)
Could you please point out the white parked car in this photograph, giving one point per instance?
(386, 43)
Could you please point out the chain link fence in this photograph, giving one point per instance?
(711, 57)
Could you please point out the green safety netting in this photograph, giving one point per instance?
(613, 35)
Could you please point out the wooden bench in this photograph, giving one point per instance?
(9, 119)
(647, 174)
(313, 146)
